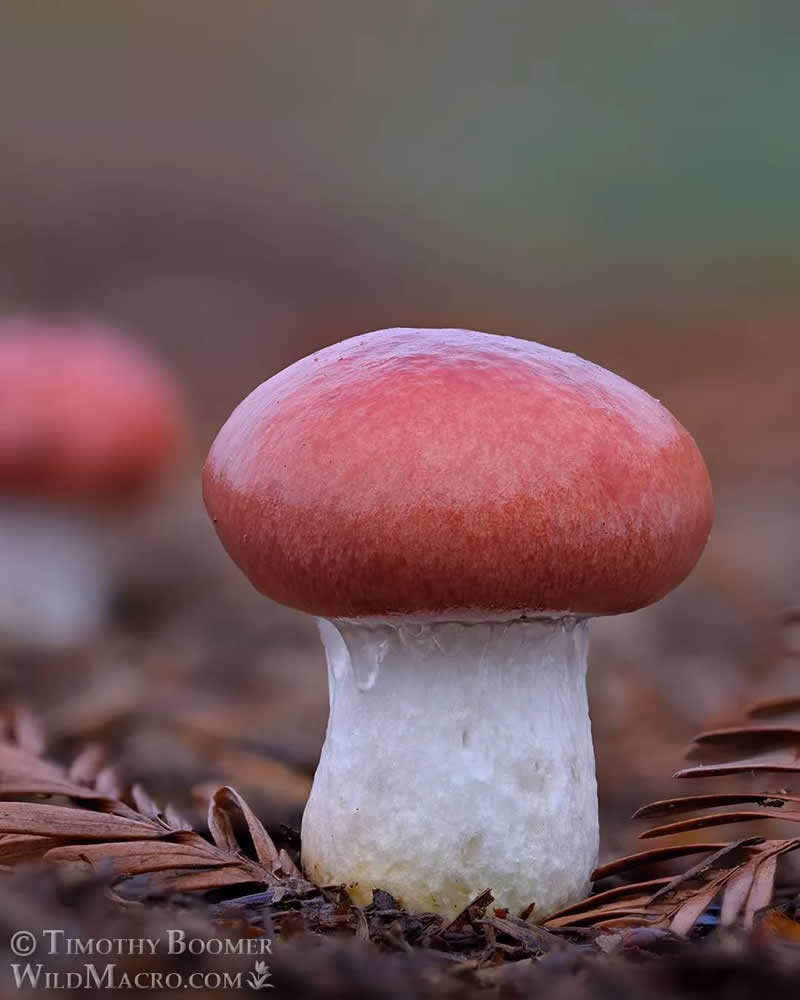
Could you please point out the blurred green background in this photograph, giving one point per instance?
(287, 173)
(237, 184)
(555, 148)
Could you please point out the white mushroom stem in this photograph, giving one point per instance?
(458, 758)
(54, 577)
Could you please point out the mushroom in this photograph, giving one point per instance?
(88, 425)
(453, 506)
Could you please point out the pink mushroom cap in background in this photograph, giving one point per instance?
(446, 472)
(86, 417)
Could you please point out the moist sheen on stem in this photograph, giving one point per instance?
(458, 757)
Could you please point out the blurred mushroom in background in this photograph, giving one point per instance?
(90, 426)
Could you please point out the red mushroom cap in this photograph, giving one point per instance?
(448, 472)
(85, 416)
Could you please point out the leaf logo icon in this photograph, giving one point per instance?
(257, 979)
